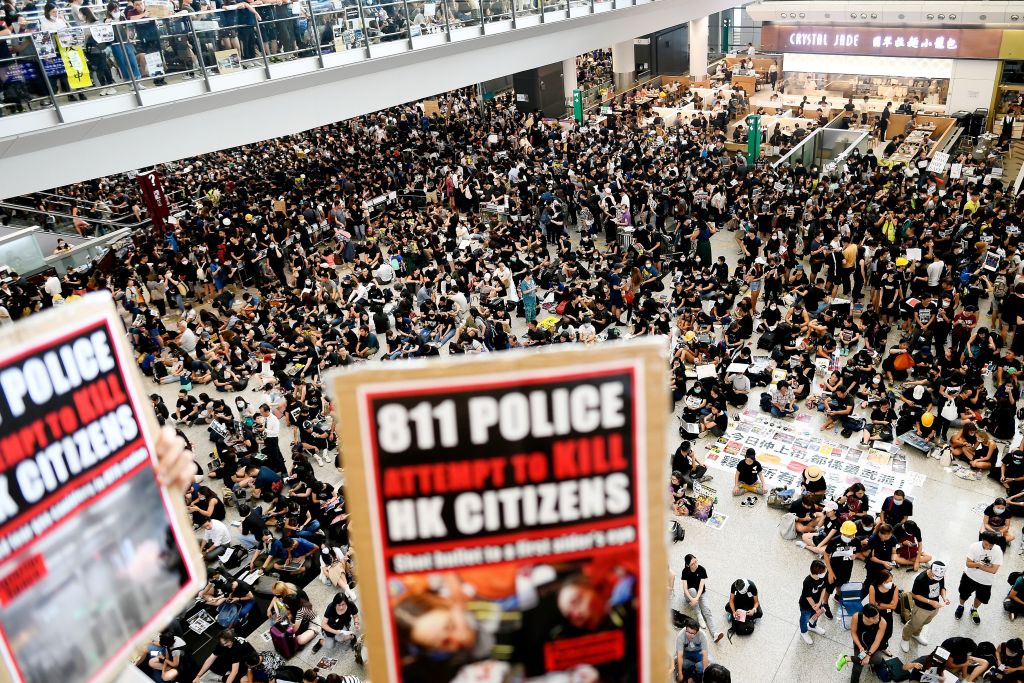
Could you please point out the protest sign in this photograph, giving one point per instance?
(519, 497)
(94, 554)
(786, 448)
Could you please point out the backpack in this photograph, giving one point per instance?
(787, 526)
(678, 532)
(1000, 287)
(227, 614)
(289, 674)
(891, 670)
(905, 605)
(742, 628)
(766, 401)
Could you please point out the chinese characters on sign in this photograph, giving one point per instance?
(884, 41)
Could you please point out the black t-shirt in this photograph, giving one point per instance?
(897, 513)
(801, 511)
(692, 579)
(882, 550)
(340, 622)
(238, 652)
(813, 298)
(745, 601)
(959, 648)
(749, 471)
(997, 521)
(811, 590)
(928, 587)
(840, 554)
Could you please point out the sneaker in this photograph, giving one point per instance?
(842, 662)
(1013, 616)
(828, 611)
(806, 637)
(319, 644)
(905, 645)
(745, 503)
(920, 640)
(799, 544)
(975, 617)
(817, 629)
(317, 460)
(752, 501)
(959, 612)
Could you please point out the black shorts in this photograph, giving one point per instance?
(968, 586)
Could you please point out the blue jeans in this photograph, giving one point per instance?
(693, 661)
(124, 64)
(782, 413)
(806, 619)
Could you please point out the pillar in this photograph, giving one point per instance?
(569, 82)
(698, 48)
(623, 65)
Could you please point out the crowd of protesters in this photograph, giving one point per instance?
(482, 228)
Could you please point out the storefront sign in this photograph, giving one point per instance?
(519, 499)
(883, 41)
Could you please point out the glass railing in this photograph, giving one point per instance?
(58, 75)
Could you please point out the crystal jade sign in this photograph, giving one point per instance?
(883, 41)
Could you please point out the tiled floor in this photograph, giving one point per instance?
(749, 546)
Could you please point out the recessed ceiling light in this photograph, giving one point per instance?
(942, 16)
(853, 15)
(900, 16)
(802, 15)
(874, 16)
(952, 16)
(863, 15)
(930, 17)
(983, 17)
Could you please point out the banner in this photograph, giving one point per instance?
(93, 552)
(518, 500)
(786, 448)
(157, 204)
(70, 44)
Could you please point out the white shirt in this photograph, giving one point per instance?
(217, 534)
(273, 426)
(977, 552)
(935, 272)
(188, 341)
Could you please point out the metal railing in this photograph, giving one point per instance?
(91, 56)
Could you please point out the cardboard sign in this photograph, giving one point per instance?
(93, 552)
(228, 61)
(519, 496)
(430, 108)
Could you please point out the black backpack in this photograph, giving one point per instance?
(742, 628)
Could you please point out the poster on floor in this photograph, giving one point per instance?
(95, 556)
(786, 448)
(508, 501)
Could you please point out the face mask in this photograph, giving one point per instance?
(846, 539)
(999, 511)
(817, 577)
(887, 586)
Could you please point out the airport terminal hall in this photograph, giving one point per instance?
(511, 341)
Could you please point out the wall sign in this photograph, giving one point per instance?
(883, 41)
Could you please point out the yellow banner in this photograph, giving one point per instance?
(75, 64)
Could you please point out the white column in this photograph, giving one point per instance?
(569, 81)
(698, 48)
(623, 65)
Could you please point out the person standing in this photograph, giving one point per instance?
(838, 557)
(272, 439)
(983, 561)
(812, 601)
(529, 297)
(694, 585)
(929, 593)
